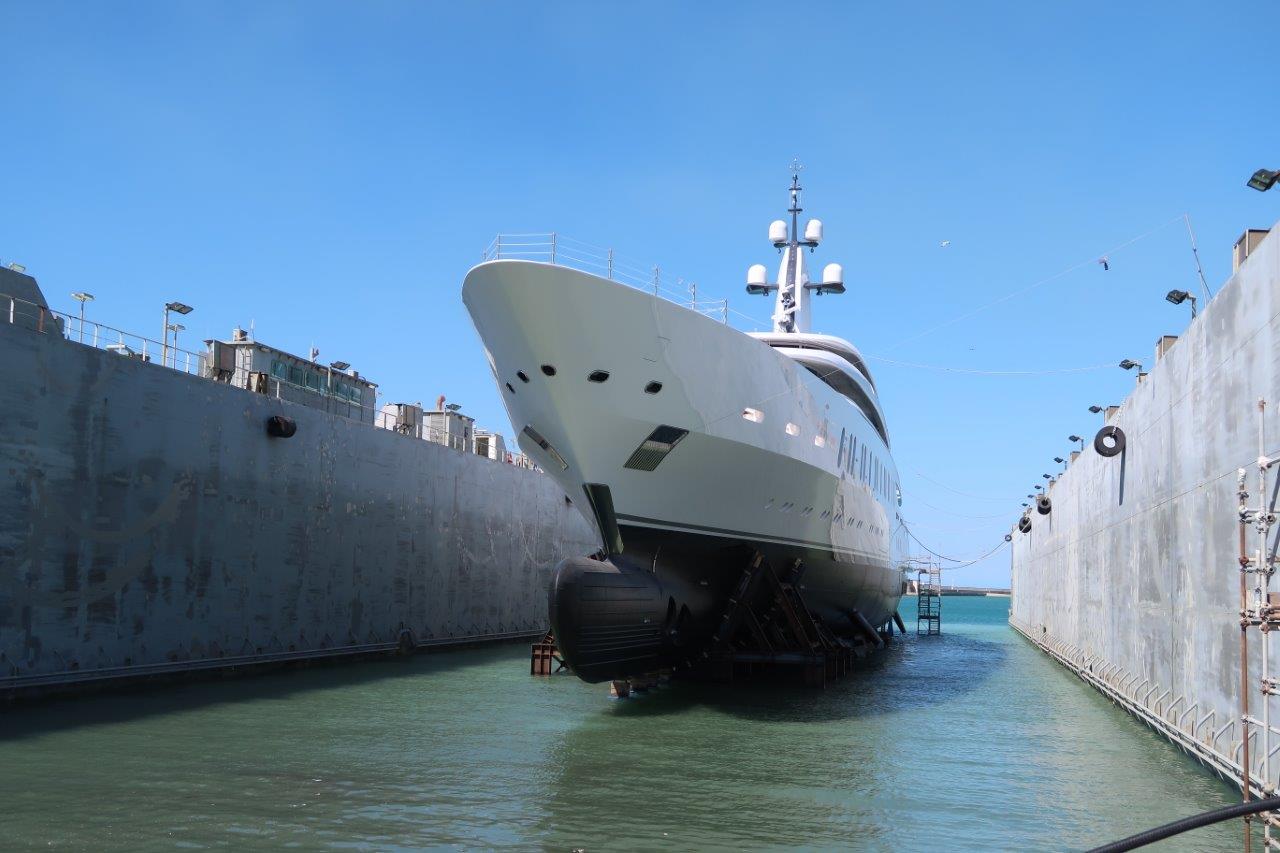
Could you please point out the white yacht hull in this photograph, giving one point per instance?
(782, 483)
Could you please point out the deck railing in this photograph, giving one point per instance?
(555, 248)
(38, 318)
(97, 335)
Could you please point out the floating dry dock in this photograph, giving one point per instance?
(1132, 579)
(166, 511)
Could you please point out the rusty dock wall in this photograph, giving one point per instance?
(149, 524)
(1132, 580)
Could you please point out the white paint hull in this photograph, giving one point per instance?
(730, 477)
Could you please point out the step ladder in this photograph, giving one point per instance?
(929, 600)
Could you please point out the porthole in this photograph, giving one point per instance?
(598, 376)
(548, 370)
(509, 388)
(653, 388)
(520, 374)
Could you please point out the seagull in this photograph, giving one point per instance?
(945, 243)
(1106, 262)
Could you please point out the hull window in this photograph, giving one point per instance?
(754, 415)
(792, 429)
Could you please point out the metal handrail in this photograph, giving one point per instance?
(43, 320)
(559, 250)
(99, 335)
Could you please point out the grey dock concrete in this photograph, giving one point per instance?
(1132, 579)
(149, 524)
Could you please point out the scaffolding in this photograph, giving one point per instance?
(1260, 611)
(929, 599)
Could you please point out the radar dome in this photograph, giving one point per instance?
(777, 232)
(833, 274)
(813, 231)
(757, 274)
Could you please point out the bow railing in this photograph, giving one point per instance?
(560, 250)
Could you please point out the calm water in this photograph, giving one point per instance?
(969, 741)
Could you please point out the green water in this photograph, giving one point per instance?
(969, 741)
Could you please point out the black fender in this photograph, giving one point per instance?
(1024, 524)
(1043, 505)
(278, 426)
(1109, 433)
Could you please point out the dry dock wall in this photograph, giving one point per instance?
(1132, 580)
(148, 523)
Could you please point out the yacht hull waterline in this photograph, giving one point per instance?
(693, 447)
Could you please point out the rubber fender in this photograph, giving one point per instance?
(1043, 505)
(278, 426)
(1008, 537)
(1115, 434)
(1024, 524)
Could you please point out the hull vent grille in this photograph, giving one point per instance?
(655, 448)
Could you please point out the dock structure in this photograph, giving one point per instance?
(170, 512)
(1144, 568)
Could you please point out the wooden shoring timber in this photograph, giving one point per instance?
(544, 657)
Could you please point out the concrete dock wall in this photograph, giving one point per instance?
(149, 523)
(1133, 578)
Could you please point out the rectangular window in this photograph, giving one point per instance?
(753, 415)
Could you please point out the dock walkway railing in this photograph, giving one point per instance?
(20, 312)
(555, 248)
(38, 318)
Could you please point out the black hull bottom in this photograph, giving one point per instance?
(659, 604)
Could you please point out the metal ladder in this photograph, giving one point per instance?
(929, 600)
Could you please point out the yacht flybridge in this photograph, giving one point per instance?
(700, 452)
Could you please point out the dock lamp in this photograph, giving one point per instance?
(1039, 487)
(1264, 179)
(82, 297)
(1130, 364)
(1177, 297)
(1047, 476)
(1061, 462)
(1077, 438)
(176, 308)
(1095, 409)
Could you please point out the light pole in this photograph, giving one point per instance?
(177, 308)
(1061, 461)
(333, 365)
(175, 328)
(82, 297)
(1077, 438)
(1130, 364)
(1177, 297)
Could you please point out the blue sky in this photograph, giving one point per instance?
(329, 171)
